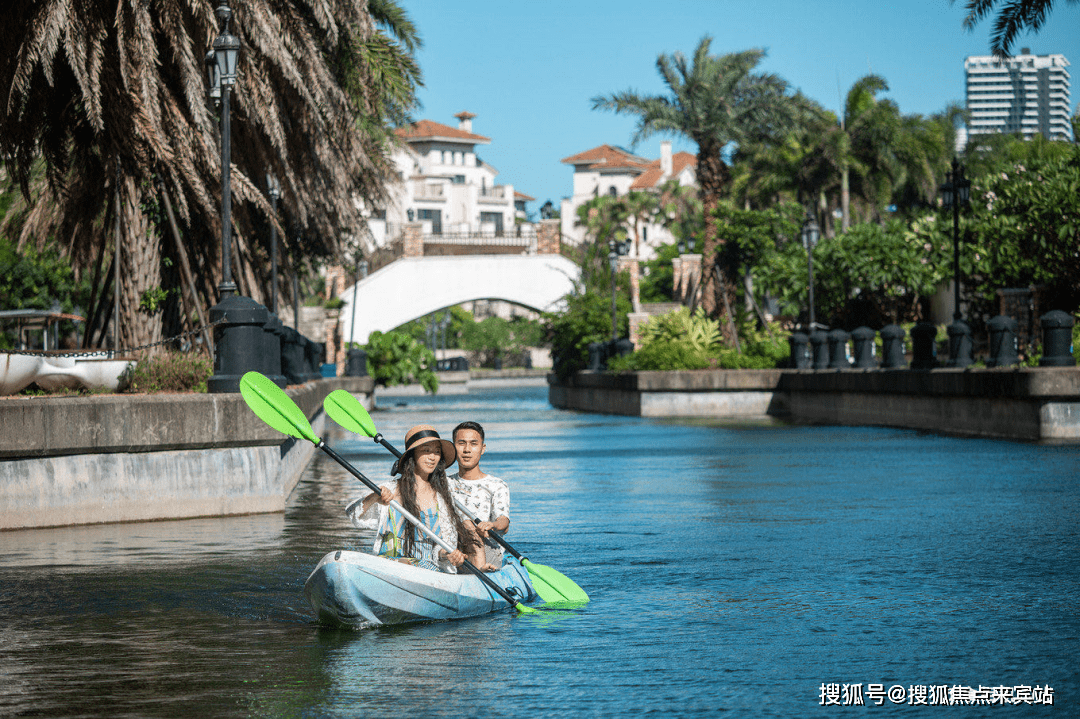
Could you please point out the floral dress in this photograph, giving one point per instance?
(392, 526)
(487, 498)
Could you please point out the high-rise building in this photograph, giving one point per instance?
(1026, 94)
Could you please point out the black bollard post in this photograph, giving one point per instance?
(597, 356)
(273, 331)
(819, 349)
(924, 346)
(838, 340)
(239, 342)
(356, 364)
(1057, 339)
(1003, 345)
(293, 364)
(892, 347)
(800, 350)
(959, 344)
(864, 347)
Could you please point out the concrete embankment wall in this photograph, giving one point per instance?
(119, 458)
(1023, 403)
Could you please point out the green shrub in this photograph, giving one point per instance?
(698, 330)
(334, 303)
(395, 358)
(675, 355)
(172, 372)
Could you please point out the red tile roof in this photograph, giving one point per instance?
(652, 176)
(430, 130)
(523, 196)
(607, 157)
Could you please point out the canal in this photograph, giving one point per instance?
(734, 569)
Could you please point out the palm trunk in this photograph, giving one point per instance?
(140, 271)
(718, 292)
(845, 199)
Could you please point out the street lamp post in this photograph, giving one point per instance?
(226, 52)
(810, 236)
(274, 190)
(955, 195)
(615, 249)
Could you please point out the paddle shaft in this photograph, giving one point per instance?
(494, 535)
(417, 523)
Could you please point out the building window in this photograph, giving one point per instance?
(495, 218)
(436, 219)
(459, 179)
(612, 191)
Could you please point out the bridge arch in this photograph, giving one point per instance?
(412, 287)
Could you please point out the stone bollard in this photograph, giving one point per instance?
(864, 347)
(239, 343)
(892, 347)
(838, 340)
(356, 365)
(959, 344)
(800, 350)
(1057, 339)
(1003, 345)
(924, 346)
(819, 349)
(273, 332)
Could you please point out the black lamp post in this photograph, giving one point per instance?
(955, 195)
(810, 236)
(615, 249)
(274, 190)
(223, 74)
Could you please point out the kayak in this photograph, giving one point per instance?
(358, 590)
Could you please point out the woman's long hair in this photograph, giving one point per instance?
(466, 540)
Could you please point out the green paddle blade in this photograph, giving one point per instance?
(270, 404)
(347, 411)
(552, 585)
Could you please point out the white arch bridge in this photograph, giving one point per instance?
(412, 287)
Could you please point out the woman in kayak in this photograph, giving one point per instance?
(423, 490)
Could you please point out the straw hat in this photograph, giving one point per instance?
(423, 433)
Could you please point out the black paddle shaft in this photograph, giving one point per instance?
(374, 488)
(379, 439)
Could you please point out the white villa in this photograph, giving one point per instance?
(447, 187)
(611, 170)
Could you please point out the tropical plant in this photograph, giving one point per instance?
(105, 111)
(395, 358)
(696, 329)
(1013, 18)
(586, 319)
(714, 101)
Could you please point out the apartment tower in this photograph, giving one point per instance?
(1026, 94)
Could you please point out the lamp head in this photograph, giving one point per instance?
(273, 187)
(811, 233)
(214, 76)
(226, 47)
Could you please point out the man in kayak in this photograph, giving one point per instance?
(485, 496)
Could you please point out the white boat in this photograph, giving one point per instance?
(360, 590)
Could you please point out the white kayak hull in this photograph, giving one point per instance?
(359, 590)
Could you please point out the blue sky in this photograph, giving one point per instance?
(528, 70)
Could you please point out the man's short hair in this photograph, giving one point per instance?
(474, 426)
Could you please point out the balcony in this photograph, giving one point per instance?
(429, 192)
(493, 195)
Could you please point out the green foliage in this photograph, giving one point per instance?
(872, 274)
(587, 319)
(37, 280)
(395, 358)
(671, 355)
(697, 330)
(752, 235)
(1023, 228)
(334, 303)
(151, 299)
(173, 372)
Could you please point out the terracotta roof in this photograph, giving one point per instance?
(430, 130)
(607, 157)
(523, 196)
(652, 176)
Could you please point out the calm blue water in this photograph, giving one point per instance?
(733, 570)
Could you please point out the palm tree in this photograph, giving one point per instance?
(1013, 17)
(714, 101)
(105, 103)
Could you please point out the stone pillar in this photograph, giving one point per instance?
(335, 281)
(412, 239)
(335, 350)
(634, 268)
(691, 277)
(636, 319)
(676, 279)
(548, 237)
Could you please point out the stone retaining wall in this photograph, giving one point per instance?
(119, 458)
(1032, 404)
